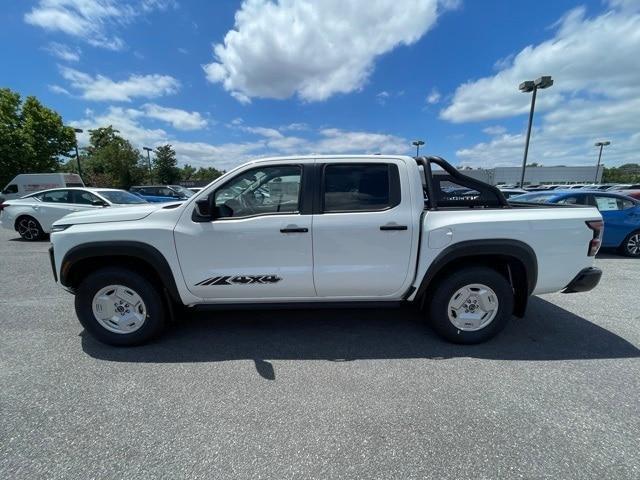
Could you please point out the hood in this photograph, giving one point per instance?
(110, 214)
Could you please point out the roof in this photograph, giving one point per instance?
(327, 157)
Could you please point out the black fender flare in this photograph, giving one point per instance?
(515, 249)
(138, 250)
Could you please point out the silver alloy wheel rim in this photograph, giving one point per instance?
(633, 245)
(473, 307)
(119, 309)
(28, 229)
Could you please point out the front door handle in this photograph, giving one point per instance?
(393, 227)
(294, 230)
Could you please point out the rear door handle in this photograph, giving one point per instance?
(393, 227)
(294, 230)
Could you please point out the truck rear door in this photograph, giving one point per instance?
(362, 229)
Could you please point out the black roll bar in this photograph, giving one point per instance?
(492, 195)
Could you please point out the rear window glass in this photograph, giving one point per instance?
(362, 187)
(533, 197)
(607, 203)
(58, 196)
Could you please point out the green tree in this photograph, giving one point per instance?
(33, 137)
(207, 174)
(627, 173)
(165, 165)
(187, 172)
(111, 161)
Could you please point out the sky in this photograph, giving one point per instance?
(225, 81)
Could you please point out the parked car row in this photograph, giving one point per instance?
(621, 214)
(31, 203)
(162, 193)
(33, 215)
(613, 187)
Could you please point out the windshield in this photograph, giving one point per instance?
(182, 190)
(533, 197)
(120, 197)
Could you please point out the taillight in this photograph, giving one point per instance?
(594, 244)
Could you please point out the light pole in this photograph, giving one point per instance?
(601, 145)
(149, 161)
(78, 130)
(526, 87)
(417, 144)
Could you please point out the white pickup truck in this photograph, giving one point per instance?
(326, 230)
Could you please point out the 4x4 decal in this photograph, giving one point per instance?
(240, 280)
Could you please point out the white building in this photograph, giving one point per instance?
(536, 175)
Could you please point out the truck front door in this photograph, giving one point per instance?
(259, 245)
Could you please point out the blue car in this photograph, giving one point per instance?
(621, 214)
(162, 193)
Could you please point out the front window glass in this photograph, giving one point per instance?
(84, 198)
(11, 189)
(264, 190)
(120, 197)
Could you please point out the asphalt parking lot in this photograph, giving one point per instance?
(319, 394)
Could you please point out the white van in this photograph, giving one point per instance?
(27, 183)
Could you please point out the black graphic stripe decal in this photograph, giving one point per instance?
(239, 280)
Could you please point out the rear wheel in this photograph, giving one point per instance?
(29, 229)
(631, 245)
(470, 305)
(119, 307)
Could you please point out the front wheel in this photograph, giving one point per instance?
(29, 229)
(119, 307)
(470, 305)
(631, 245)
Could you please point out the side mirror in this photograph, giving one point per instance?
(99, 203)
(205, 211)
(203, 208)
(222, 211)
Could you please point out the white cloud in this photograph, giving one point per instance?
(334, 140)
(63, 52)
(589, 56)
(126, 121)
(433, 97)
(58, 89)
(549, 149)
(494, 130)
(594, 96)
(382, 97)
(259, 141)
(102, 88)
(91, 20)
(180, 119)
(298, 127)
(313, 49)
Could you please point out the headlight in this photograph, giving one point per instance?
(59, 228)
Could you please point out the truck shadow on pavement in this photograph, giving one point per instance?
(548, 332)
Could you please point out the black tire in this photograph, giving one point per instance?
(626, 247)
(438, 302)
(29, 229)
(154, 321)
